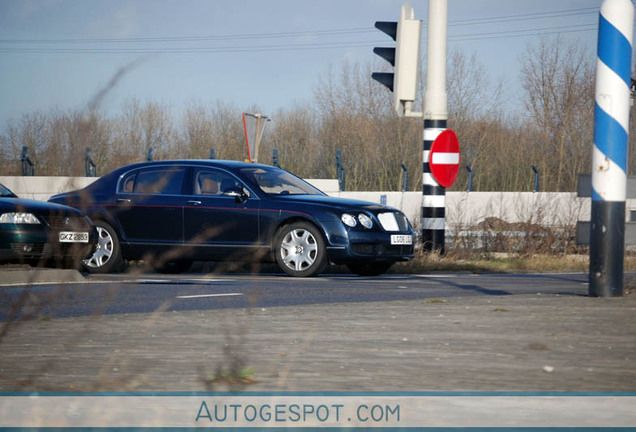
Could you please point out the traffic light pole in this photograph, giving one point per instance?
(435, 118)
(403, 83)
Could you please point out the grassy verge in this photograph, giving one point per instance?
(501, 263)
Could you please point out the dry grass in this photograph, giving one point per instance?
(501, 263)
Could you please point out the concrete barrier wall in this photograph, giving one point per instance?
(42, 188)
(467, 209)
(463, 209)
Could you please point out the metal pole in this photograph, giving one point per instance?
(25, 150)
(536, 178)
(435, 117)
(340, 172)
(28, 167)
(89, 164)
(470, 178)
(405, 178)
(87, 158)
(275, 158)
(609, 156)
(257, 139)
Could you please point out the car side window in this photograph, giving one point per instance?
(210, 182)
(127, 183)
(161, 181)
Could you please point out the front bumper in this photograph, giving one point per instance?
(369, 247)
(36, 242)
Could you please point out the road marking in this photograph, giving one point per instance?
(209, 295)
(148, 281)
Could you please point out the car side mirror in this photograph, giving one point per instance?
(239, 195)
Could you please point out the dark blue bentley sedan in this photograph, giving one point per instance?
(171, 213)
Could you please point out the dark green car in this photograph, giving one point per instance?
(38, 232)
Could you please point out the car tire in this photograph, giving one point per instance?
(370, 269)
(300, 250)
(107, 257)
(172, 267)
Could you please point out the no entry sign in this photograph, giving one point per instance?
(444, 158)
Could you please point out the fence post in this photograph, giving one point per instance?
(212, 153)
(149, 154)
(470, 178)
(340, 172)
(405, 178)
(89, 164)
(28, 167)
(536, 178)
(275, 158)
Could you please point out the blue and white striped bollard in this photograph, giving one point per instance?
(609, 158)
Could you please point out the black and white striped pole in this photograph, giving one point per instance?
(433, 195)
(435, 118)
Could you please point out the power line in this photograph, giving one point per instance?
(4, 48)
(196, 38)
(335, 32)
(520, 33)
(284, 47)
(525, 17)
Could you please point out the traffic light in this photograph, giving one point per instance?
(405, 59)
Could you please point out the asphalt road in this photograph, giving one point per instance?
(128, 294)
(448, 332)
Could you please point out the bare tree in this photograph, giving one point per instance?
(198, 130)
(558, 79)
(474, 106)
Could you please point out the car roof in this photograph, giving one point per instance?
(192, 162)
(112, 177)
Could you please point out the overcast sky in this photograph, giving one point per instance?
(60, 53)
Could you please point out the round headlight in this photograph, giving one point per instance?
(348, 220)
(365, 221)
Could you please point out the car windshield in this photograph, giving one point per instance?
(6, 193)
(274, 181)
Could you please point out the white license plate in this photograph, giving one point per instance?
(401, 239)
(73, 237)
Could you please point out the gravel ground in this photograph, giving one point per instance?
(512, 343)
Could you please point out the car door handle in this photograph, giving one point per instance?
(194, 203)
(123, 201)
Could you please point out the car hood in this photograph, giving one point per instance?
(342, 203)
(33, 206)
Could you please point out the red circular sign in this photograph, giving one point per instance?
(444, 158)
